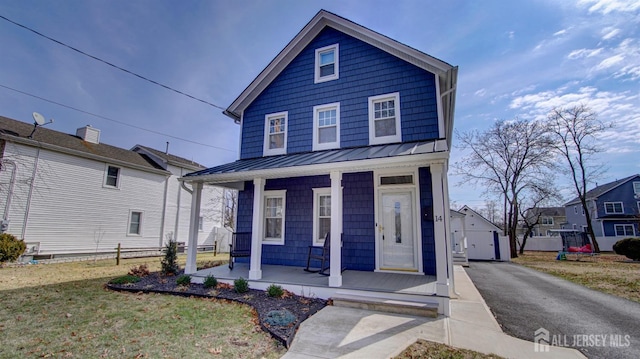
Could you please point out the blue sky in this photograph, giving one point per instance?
(516, 59)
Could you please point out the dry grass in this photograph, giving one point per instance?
(426, 349)
(63, 310)
(607, 272)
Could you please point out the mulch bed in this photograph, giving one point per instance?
(300, 307)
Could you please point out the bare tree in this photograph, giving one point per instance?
(508, 158)
(576, 130)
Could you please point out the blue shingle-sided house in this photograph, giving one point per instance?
(614, 208)
(345, 132)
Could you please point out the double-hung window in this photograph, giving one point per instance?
(326, 126)
(624, 230)
(112, 177)
(321, 214)
(546, 221)
(636, 188)
(384, 119)
(613, 208)
(135, 223)
(274, 216)
(275, 134)
(327, 64)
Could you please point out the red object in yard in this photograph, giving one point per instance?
(586, 248)
(574, 249)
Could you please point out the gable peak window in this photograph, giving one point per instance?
(112, 176)
(327, 63)
(326, 126)
(275, 134)
(384, 119)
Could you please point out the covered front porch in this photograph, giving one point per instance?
(417, 288)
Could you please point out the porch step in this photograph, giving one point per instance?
(386, 305)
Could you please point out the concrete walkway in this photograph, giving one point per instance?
(337, 332)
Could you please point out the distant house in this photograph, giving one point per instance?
(346, 132)
(71, 194)
(614, 208)
(548, 218)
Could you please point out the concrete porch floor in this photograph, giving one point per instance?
(297, 280)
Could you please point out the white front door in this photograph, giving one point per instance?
(396, 231)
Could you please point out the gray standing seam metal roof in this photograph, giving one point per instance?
(321, 157)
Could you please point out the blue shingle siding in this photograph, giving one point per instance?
(358, 217)
(428, 241)
(358, 247)
(624, 194)
(364, 71)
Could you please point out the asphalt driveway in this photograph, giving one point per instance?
(524, 300)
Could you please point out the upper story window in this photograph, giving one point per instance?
(274, 216)
(327, 64)
(275, 134)
(613, 208)
(112, 177)
(636, 187)
(384, 119)
(326, 126)
(546, 221)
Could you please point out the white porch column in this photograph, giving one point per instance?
(440, 225)
(255, 267)
(447, 232)
(194, 219)
(335, 257)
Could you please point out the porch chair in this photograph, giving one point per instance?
(240, 246)
(320, 254)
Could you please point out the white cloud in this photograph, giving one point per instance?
(610, 61)
(480, 92)
(607, 6)
(561, 32)
(609, 33)
(576, 54)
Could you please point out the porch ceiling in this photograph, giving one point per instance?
(322, 162)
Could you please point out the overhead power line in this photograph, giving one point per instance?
(112, 65)
(112, 120)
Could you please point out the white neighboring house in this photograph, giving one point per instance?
(484, 241)
(71, 194)
(458, 238)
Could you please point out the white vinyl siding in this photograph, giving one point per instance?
(275, 134)
(327, 64)
(326, 126)
(624, 230)
(384, 119)
(321, 214)
(613, 208)
(274, 217)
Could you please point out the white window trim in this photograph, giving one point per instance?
(276, 151)
(613, 204)
(317, 146)
(373, 140)
(317, 192)
(636, 187)
(106, 175)
(201, 224)
(336, 56)
(633, 230)
(549, 221)
(274, 194)
(129, 234)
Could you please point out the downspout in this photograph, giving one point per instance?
(177, 224)
(33, 181)
(12, 182)
(164, 210)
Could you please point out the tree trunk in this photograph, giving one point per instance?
(524, 242)
(587, 215)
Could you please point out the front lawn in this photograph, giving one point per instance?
(63, 310)
(607, 272)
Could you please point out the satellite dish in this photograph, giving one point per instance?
(38, 118)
